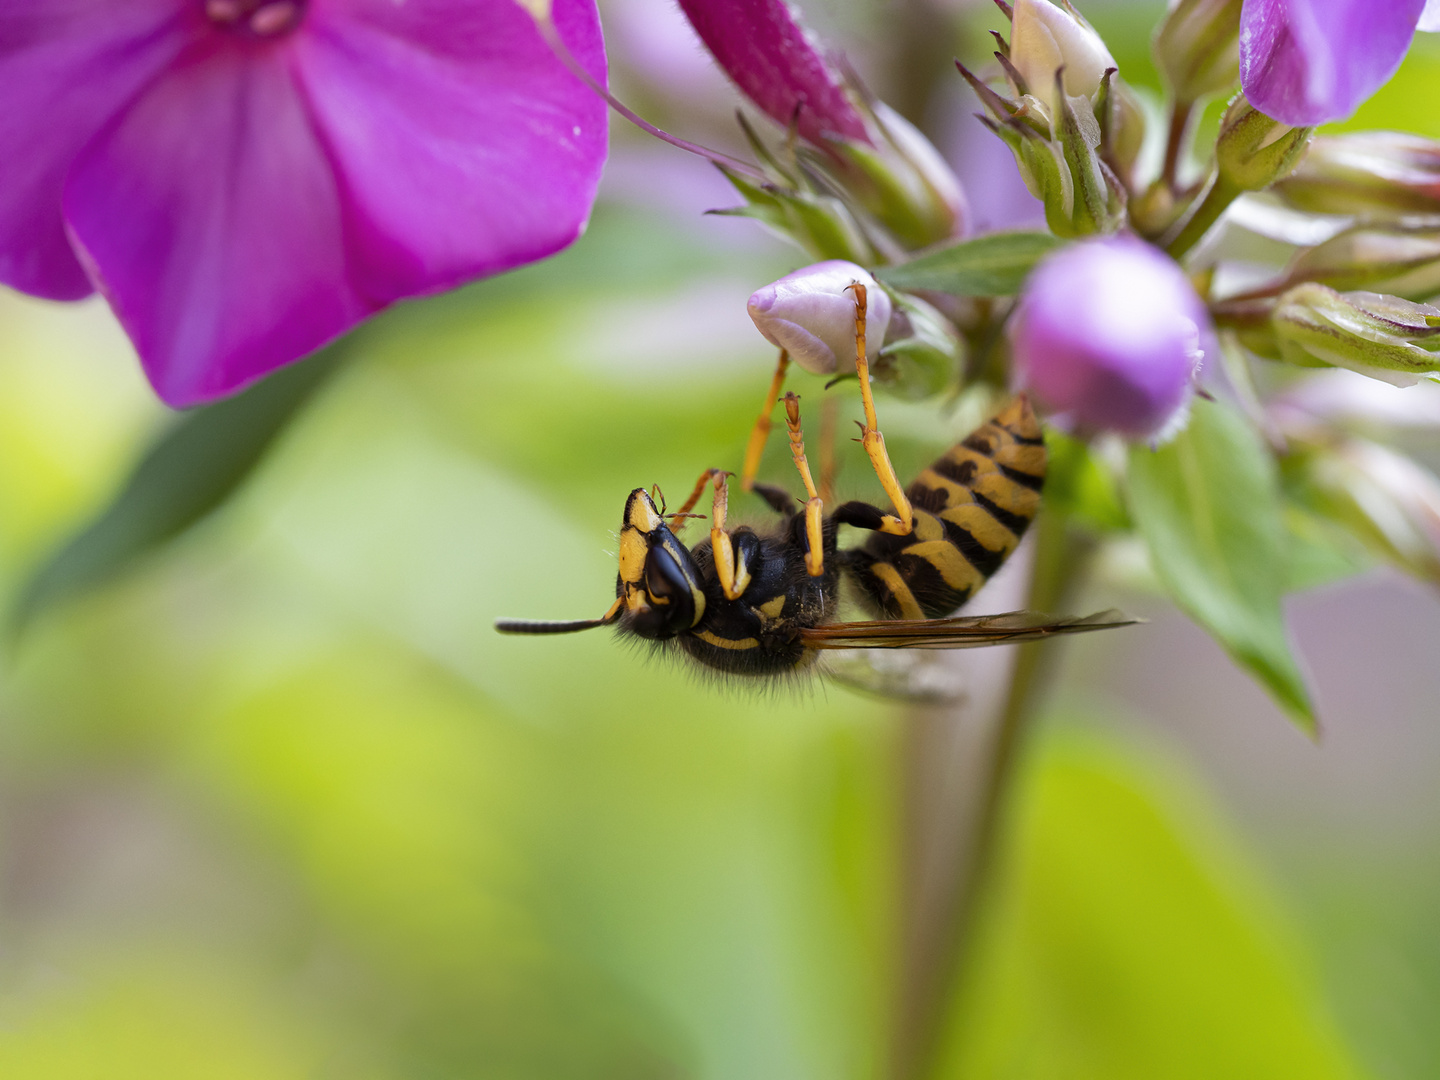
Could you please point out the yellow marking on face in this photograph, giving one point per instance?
(633, 550)
(727, 643)
(642, 513)
(771, 609)
(909, 608)
(978, 522)
(613, 610)
(945, 557)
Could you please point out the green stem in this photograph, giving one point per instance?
(1215, 203)
(1175, 141)
(921, 1025)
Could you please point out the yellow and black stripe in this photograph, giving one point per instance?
(971, 508)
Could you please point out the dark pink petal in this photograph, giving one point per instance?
(67, 67)
(209, 216)
(461, 145)
(763, 47)
(1306, 62)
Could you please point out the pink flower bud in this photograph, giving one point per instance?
(1108, 336)
(763, 47)
(811, 314)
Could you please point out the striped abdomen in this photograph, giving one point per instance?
(971, 507)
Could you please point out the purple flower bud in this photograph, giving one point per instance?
(811, 314)
(777, 65)
(1307, 62)
(1108, 336)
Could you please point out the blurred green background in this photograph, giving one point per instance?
(281, 804)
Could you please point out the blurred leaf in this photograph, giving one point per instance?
(1209, 507)
(1078, 483)
(993, 265)
(1381, 498)
(189, 472)
(1129, 940)
(1320, 551)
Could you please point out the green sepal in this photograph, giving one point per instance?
(923, 358)
(820, 224)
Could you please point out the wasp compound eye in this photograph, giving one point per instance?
(672, 601)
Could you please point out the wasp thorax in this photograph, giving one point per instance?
(257, 18)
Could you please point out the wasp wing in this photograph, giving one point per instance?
(966, 632)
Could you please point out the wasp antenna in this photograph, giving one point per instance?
(532, 626)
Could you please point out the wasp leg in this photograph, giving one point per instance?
(861, 515)
(732, 573)
(761, 431)
(780, 500)
(870, 436)
(814, 507)
(678, 518)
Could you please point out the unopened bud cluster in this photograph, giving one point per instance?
(1072, 125)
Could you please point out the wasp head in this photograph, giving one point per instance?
(658, 587)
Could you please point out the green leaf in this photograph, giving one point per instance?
(190, 471)
(1209, 507)
(1130, 938)
(993, 265)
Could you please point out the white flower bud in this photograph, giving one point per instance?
(811, 314)
(1045, 38)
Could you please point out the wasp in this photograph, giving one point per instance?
(765, 603)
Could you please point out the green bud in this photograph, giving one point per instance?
(1372, 174)
(922, 352)
(1401, 259)
(1381, 336)
(1253, 151)
(901, 179)
(1197, 48)
(1060, 157)
(1122, 125)
(1098, 204)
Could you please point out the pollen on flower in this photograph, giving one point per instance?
(262, 18)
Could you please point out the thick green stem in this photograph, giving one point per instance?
(1217, 200)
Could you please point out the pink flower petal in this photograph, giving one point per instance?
(67, 67)
(1308, 62)
(208, 214)
(461, 145)
(762, 45)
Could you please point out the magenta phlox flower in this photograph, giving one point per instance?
(245, 179)
(777, 65)
(1109, 335)
(1307, 62)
